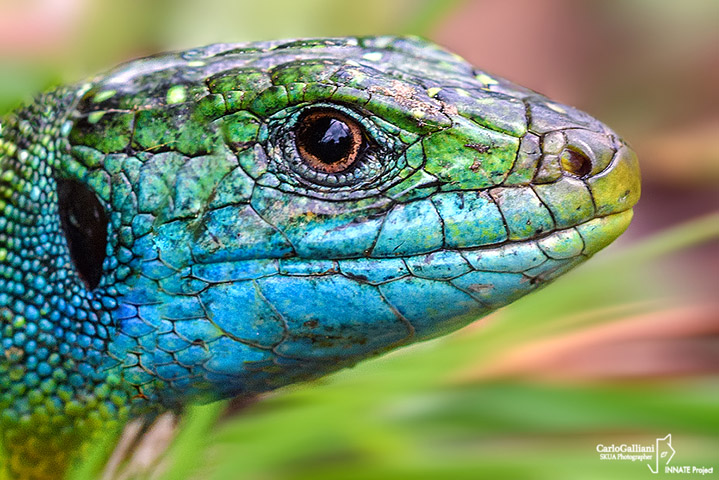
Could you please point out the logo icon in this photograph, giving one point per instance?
(664, 452)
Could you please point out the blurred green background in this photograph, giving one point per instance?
(624, 350)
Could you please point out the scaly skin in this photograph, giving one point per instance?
(232, 267)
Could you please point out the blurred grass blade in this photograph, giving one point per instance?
(191, 440)
(680, 237)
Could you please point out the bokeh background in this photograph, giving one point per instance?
(624, 350)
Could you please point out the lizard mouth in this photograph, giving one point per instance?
(538, 260)
(438, 292)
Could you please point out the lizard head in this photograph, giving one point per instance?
(237, 218)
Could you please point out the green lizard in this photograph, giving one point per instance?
(227, 220)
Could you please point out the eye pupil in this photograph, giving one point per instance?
(336, 142)
(84, 223)
(328, 141)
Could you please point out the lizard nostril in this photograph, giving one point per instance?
(85, 225)
(575, 163)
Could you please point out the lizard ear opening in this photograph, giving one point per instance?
(84, 223)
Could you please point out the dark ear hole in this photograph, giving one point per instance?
(85, 225)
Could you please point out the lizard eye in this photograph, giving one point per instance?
(333, 150)
(329, 141)
(84, 222)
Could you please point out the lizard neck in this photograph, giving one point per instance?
(55, 389)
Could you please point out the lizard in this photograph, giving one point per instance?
(230, 219)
